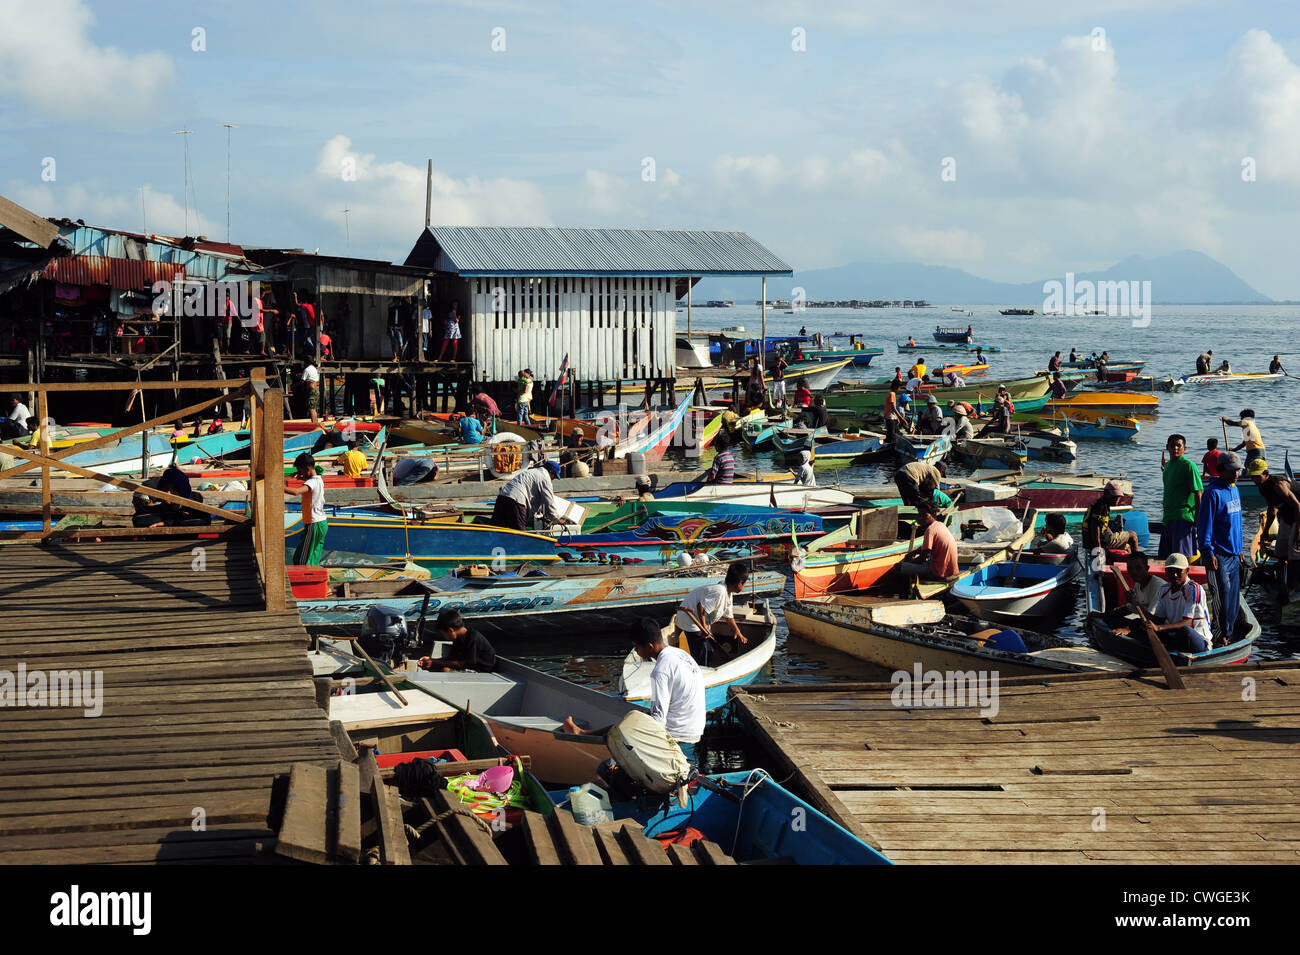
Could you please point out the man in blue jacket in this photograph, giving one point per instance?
(1218, 531)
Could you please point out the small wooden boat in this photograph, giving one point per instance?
(1109, 400)
(756, 622)
(526, 710)
(1010, 590)
(983, 452)
(1103, 592)
(722, 533)
(922, 447)
(903, 634)
(1017, 311)
(1100, 425)
(1029, 394)
(856, 353)
(761, 494)
(790, 441)
(952, 336)
(1220, 377)
(843, 448)
(938, 374)
(748, 815)
(905, 347)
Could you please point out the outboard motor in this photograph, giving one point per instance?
(386, 636)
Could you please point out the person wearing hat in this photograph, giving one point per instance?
(1218, 525)
(961, 420)
(312, 545)
(931, 418)
(1251, 439)
(525, 494)
(1181, 501)
(1096, 523)
(1280, 498)
(1181, 619)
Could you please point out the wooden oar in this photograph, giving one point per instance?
(356, 641)
(707, 634)
(1172, 679)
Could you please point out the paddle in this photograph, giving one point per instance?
(707, 634)
(1172, 679)
(356, 641)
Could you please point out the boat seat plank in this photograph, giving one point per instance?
(304, 830)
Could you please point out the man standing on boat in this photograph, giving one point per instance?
(704, 606)
(314, 528)
(1203, 362)
(1219, 534)
(1182, 499)
(525, 494)
(778, 380)
(1251, 439)
(1279, 495)
(1054, 363)
(1181, 620)
(917, 481)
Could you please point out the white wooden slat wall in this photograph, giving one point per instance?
(609, 327)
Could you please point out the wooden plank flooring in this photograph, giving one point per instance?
(205, 699)
(1073, 769)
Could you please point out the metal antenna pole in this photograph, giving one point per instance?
(229, 127)
(186, 133)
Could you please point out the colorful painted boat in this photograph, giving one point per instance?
(750, 820)
(439, 545)
(608, 599)
(905, 347)
(1107, 400)
(1220, 378)
(1024, 392)
(725, 534)
(846, 447)
(1103, 592)
(938, 374)
(758, 494)
(922, 447)
(650, 434)
(900, 635)
(983, 452)
(856, 353)
(1094, 424)
(125, 456)
(756, 622)
(855, 557)
(1007, 591)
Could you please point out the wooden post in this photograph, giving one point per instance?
(762, 348)
(689, 283)
(272, 528)
(42, 416)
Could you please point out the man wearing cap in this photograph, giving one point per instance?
(1218, 526)
(1182, 499)
(1181, 619)
(1096, 523)
(1283, 504)
(525, 494)
(314, 528)
(931, 419)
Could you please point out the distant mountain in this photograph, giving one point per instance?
(1182, 278)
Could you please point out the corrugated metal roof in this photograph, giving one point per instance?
(115, 273)
(542, 251)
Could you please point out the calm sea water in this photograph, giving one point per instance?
(1247, 336)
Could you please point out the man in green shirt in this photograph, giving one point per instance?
(1182, 499)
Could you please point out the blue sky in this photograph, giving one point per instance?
(1069, 154)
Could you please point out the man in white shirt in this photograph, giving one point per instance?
(20, 412)
(705, 605)
(1181, 620)
(1143, 589)
(311, 391)
(526, 493)
(804, 474)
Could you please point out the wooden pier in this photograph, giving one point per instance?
(1071, 769)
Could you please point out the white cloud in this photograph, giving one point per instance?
(941, 246)
(49, 61)
(163, 213)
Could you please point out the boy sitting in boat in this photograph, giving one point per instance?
(1143, 591)
(1096, 524)
(1055, 538)
(469, 650)
(937, 559)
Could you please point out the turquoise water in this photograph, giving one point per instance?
(1247, 336)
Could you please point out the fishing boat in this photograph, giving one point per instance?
(1103, 592)
(845, 448)
(756, 622)
(160, 449)
(901, 635)
(952, 335)
(1017, 311)
(1099, 425)
(566, 599)
(983, 452)
(1218, 378)
(939, 374)
(650, 433)
(759, 433)
(722, 533)
(748, 815)
(1006, 591)
(791, 441)
(526, 710)
(904, 346)
(438, 544)
(1104, 400)
(857, 354)
(858, 555)
(1029, 394)
(761, 494)
(922, 447)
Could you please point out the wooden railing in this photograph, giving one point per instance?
(264, 516)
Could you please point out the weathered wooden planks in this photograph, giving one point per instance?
(1074, 769)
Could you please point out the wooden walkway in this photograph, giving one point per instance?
(206, 697)
(1073, 769)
